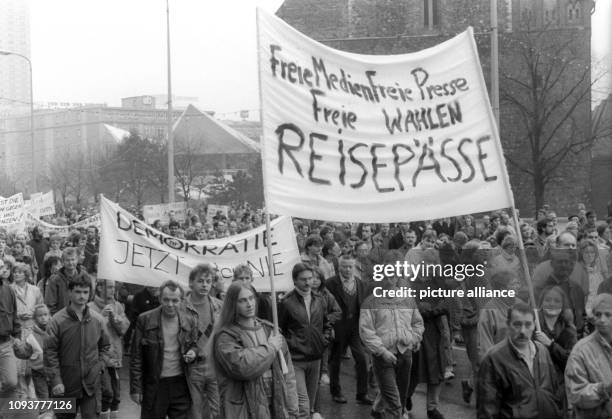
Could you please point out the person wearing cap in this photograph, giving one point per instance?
(588, 375)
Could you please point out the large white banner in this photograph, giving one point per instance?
(133, 252)
(62, 230)
(12, 213)
(364, 138)
(162, 212)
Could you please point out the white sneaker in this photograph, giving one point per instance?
(317, 415)
(324, 379)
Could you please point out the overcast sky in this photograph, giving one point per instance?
(101, 50)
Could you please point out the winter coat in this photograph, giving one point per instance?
(115, 327)
(507, 389)
(148, 351)
(41, 337)
(9, 323)
(306, 337)
(333, 309)
(240, 367)
(76, 351)
(589, 366)
(432, 358)
(390, 323)
(334, 285)
(27, 298)
(564, 338)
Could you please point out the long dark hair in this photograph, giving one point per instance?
(227, 318)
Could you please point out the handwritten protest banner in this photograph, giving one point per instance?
(40, 204)
(349, 137)
(133, 252)
(163, 212)
(47, 204)
(12, 213)
(211, 211)
(62, 230)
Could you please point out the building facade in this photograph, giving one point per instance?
(14, 70)
(63, 133)
(557, 30)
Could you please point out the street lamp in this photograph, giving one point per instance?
(2, 52)
(171, 181)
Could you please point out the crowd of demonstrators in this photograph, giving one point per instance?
(210, 350)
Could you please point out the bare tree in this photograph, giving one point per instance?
(188, 162)
(545, 92)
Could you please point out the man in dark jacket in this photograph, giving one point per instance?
(9, 327)
(304, 322)
(164, 342)
(75, 351)
(349, 292)
(517, 378)
(57, 295)
(40, 247)
(91, 250)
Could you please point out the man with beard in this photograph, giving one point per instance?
(517, 377)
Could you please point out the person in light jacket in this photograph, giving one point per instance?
(391, 328)
(588, 374)
(116, 324)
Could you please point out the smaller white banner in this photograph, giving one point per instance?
(211, 211)
(12, 213)
(163, 212)
(133, 252)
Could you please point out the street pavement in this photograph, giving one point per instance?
(452, 405)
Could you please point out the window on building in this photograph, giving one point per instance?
(430, 13)
(573, 13)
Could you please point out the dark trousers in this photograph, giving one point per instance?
(88, 406)
(347, 335)
(40, 384)
(111, 390)
(171, 399)
(393, 381)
